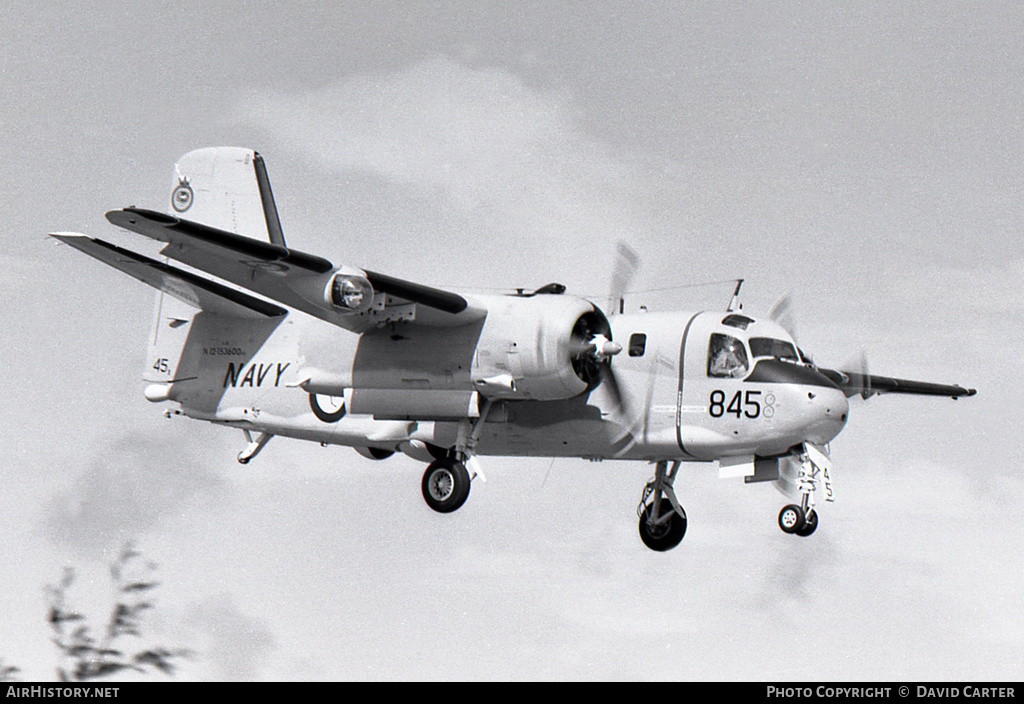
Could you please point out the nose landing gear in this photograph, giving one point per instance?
(801, 519)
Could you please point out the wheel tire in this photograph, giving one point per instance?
(445, 485)
(663, 537)
(791, 518)
(810, 524)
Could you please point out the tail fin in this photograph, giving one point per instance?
(223, 187)
(227, 188)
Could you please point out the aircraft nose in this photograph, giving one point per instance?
(829, 412)
(823, 409)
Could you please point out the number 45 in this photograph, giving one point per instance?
(162, 365)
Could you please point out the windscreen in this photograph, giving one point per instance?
(769, 347)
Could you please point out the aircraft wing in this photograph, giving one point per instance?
(190, 288)
(288, 276)
(853, 383)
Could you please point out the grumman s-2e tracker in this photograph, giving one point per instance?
(259, 336)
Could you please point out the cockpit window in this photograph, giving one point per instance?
(637, 344)
(768, 347)
(727, 357)
(737, 321)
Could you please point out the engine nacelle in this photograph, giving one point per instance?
(542, 347)
(538, 347)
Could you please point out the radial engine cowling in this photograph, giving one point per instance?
(543, 347)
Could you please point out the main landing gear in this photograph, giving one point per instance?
(447, 479)
(662, 519)
(446, 485)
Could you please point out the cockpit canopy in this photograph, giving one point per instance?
(731, 355)
(769, 347)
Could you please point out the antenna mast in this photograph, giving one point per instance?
(735, 304)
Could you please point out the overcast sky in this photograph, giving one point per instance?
(863, 157)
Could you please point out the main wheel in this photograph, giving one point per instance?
(810, 524)
(446, 485)
(791, 518)
(663, 536)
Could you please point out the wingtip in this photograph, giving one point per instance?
(117, 217)
(67, 237)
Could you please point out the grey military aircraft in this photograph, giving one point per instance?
(256, 335)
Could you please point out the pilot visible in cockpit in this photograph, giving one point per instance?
(727, 357)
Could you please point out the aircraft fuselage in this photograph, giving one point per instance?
(670, 404)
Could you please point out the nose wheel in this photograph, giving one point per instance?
(810, 524)
(794, 519)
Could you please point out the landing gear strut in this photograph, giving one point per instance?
(662, 519)
(447, 480)
(801, 519)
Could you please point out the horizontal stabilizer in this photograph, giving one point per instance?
(853, 383)
(185, 286)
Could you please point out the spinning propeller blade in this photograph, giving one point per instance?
(634, 428)
(627, 262)
(783, 314)
(861, 365)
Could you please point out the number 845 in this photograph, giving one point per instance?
(739, 405)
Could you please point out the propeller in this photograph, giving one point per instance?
(635, 428)
(627, 262)
(591, 349)
(591, 346)
(783, 313)
(855, 382)
(862, 377)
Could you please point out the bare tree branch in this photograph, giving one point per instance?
(81, 656)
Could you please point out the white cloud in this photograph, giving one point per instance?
(502, 155)
(126, 491)
(234, 643)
